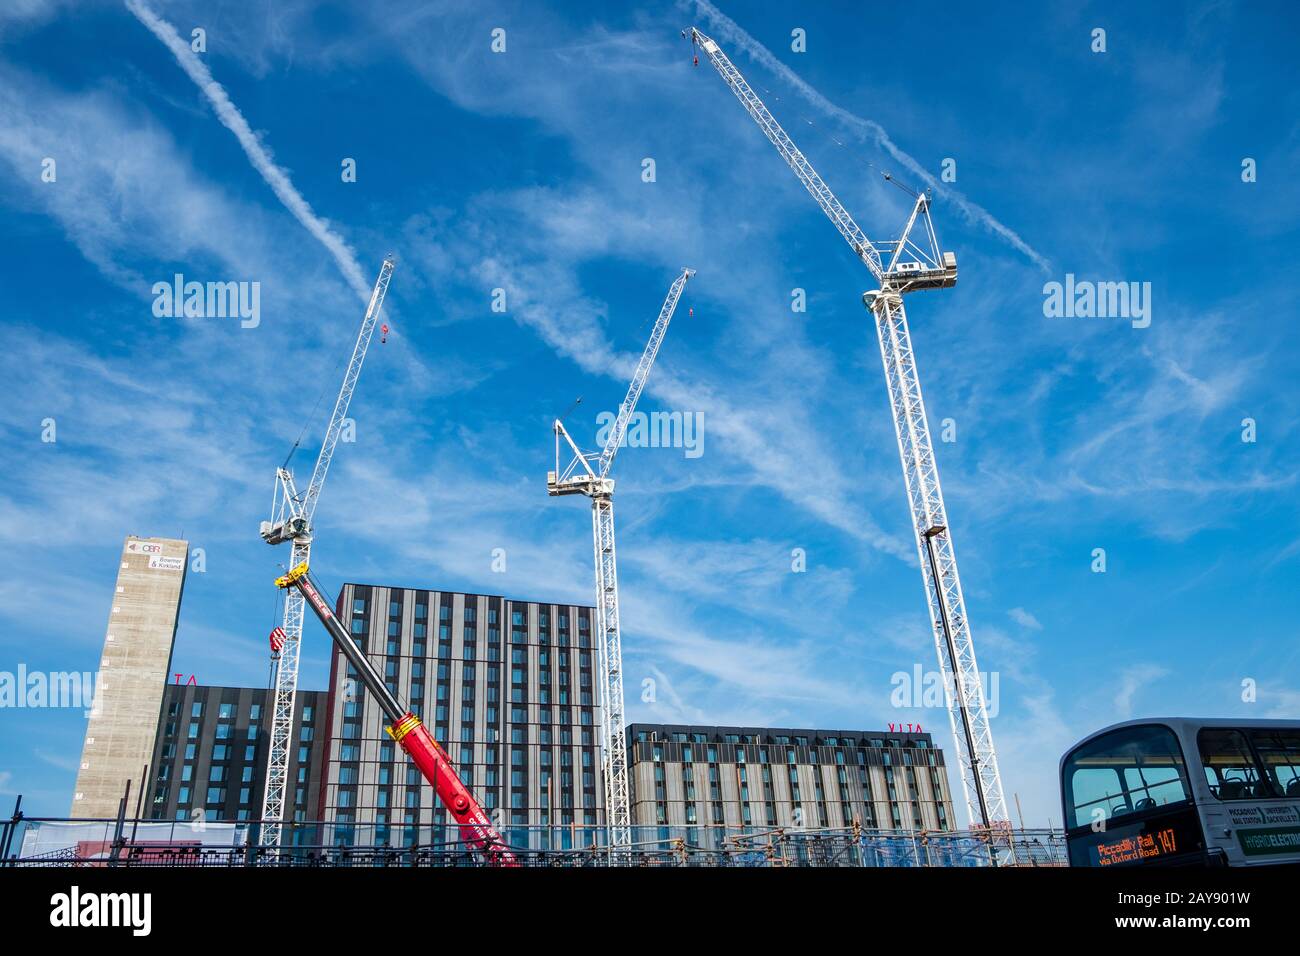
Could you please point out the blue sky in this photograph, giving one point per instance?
(522, 170)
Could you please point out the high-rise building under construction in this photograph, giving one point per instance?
(132, 674)
(508, 685)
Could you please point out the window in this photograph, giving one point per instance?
(1230, 767)
(1280, 752)
(1124, 772)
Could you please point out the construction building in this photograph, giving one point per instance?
(509, 688)
(209, 757)
(132, 674)
(507, 685)
(761, 777)
(210, 762)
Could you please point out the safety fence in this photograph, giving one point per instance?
(153, 843)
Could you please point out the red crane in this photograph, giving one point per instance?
(476, 830)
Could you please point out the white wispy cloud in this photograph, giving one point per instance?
(121, 192)
(1132, 680)
(759, 434)
(62, 761)
(1279, 701)
(233, 120)
(667, 705)
(729, 30)
(28, 12)
(1024, 618)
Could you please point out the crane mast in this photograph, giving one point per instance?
(580, 477)
(291, 520)
(924, 267)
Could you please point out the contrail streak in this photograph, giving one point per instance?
(234, 121)
(729, 30)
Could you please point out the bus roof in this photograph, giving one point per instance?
(1180, 725)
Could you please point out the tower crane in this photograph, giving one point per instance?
(291, 520)
(901, 266)
(476, 830)
(588, 474)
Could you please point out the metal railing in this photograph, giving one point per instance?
(152, 843)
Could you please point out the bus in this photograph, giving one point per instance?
(1184, 792)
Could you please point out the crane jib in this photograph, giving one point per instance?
(291, 520)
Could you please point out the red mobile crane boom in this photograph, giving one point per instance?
(410, 732)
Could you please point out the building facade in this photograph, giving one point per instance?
(132, 674)
(761, 777)
(209, 756)
(507, 686)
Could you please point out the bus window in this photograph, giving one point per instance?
(1124, 772)
(1280, 751)
(1230, 767)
